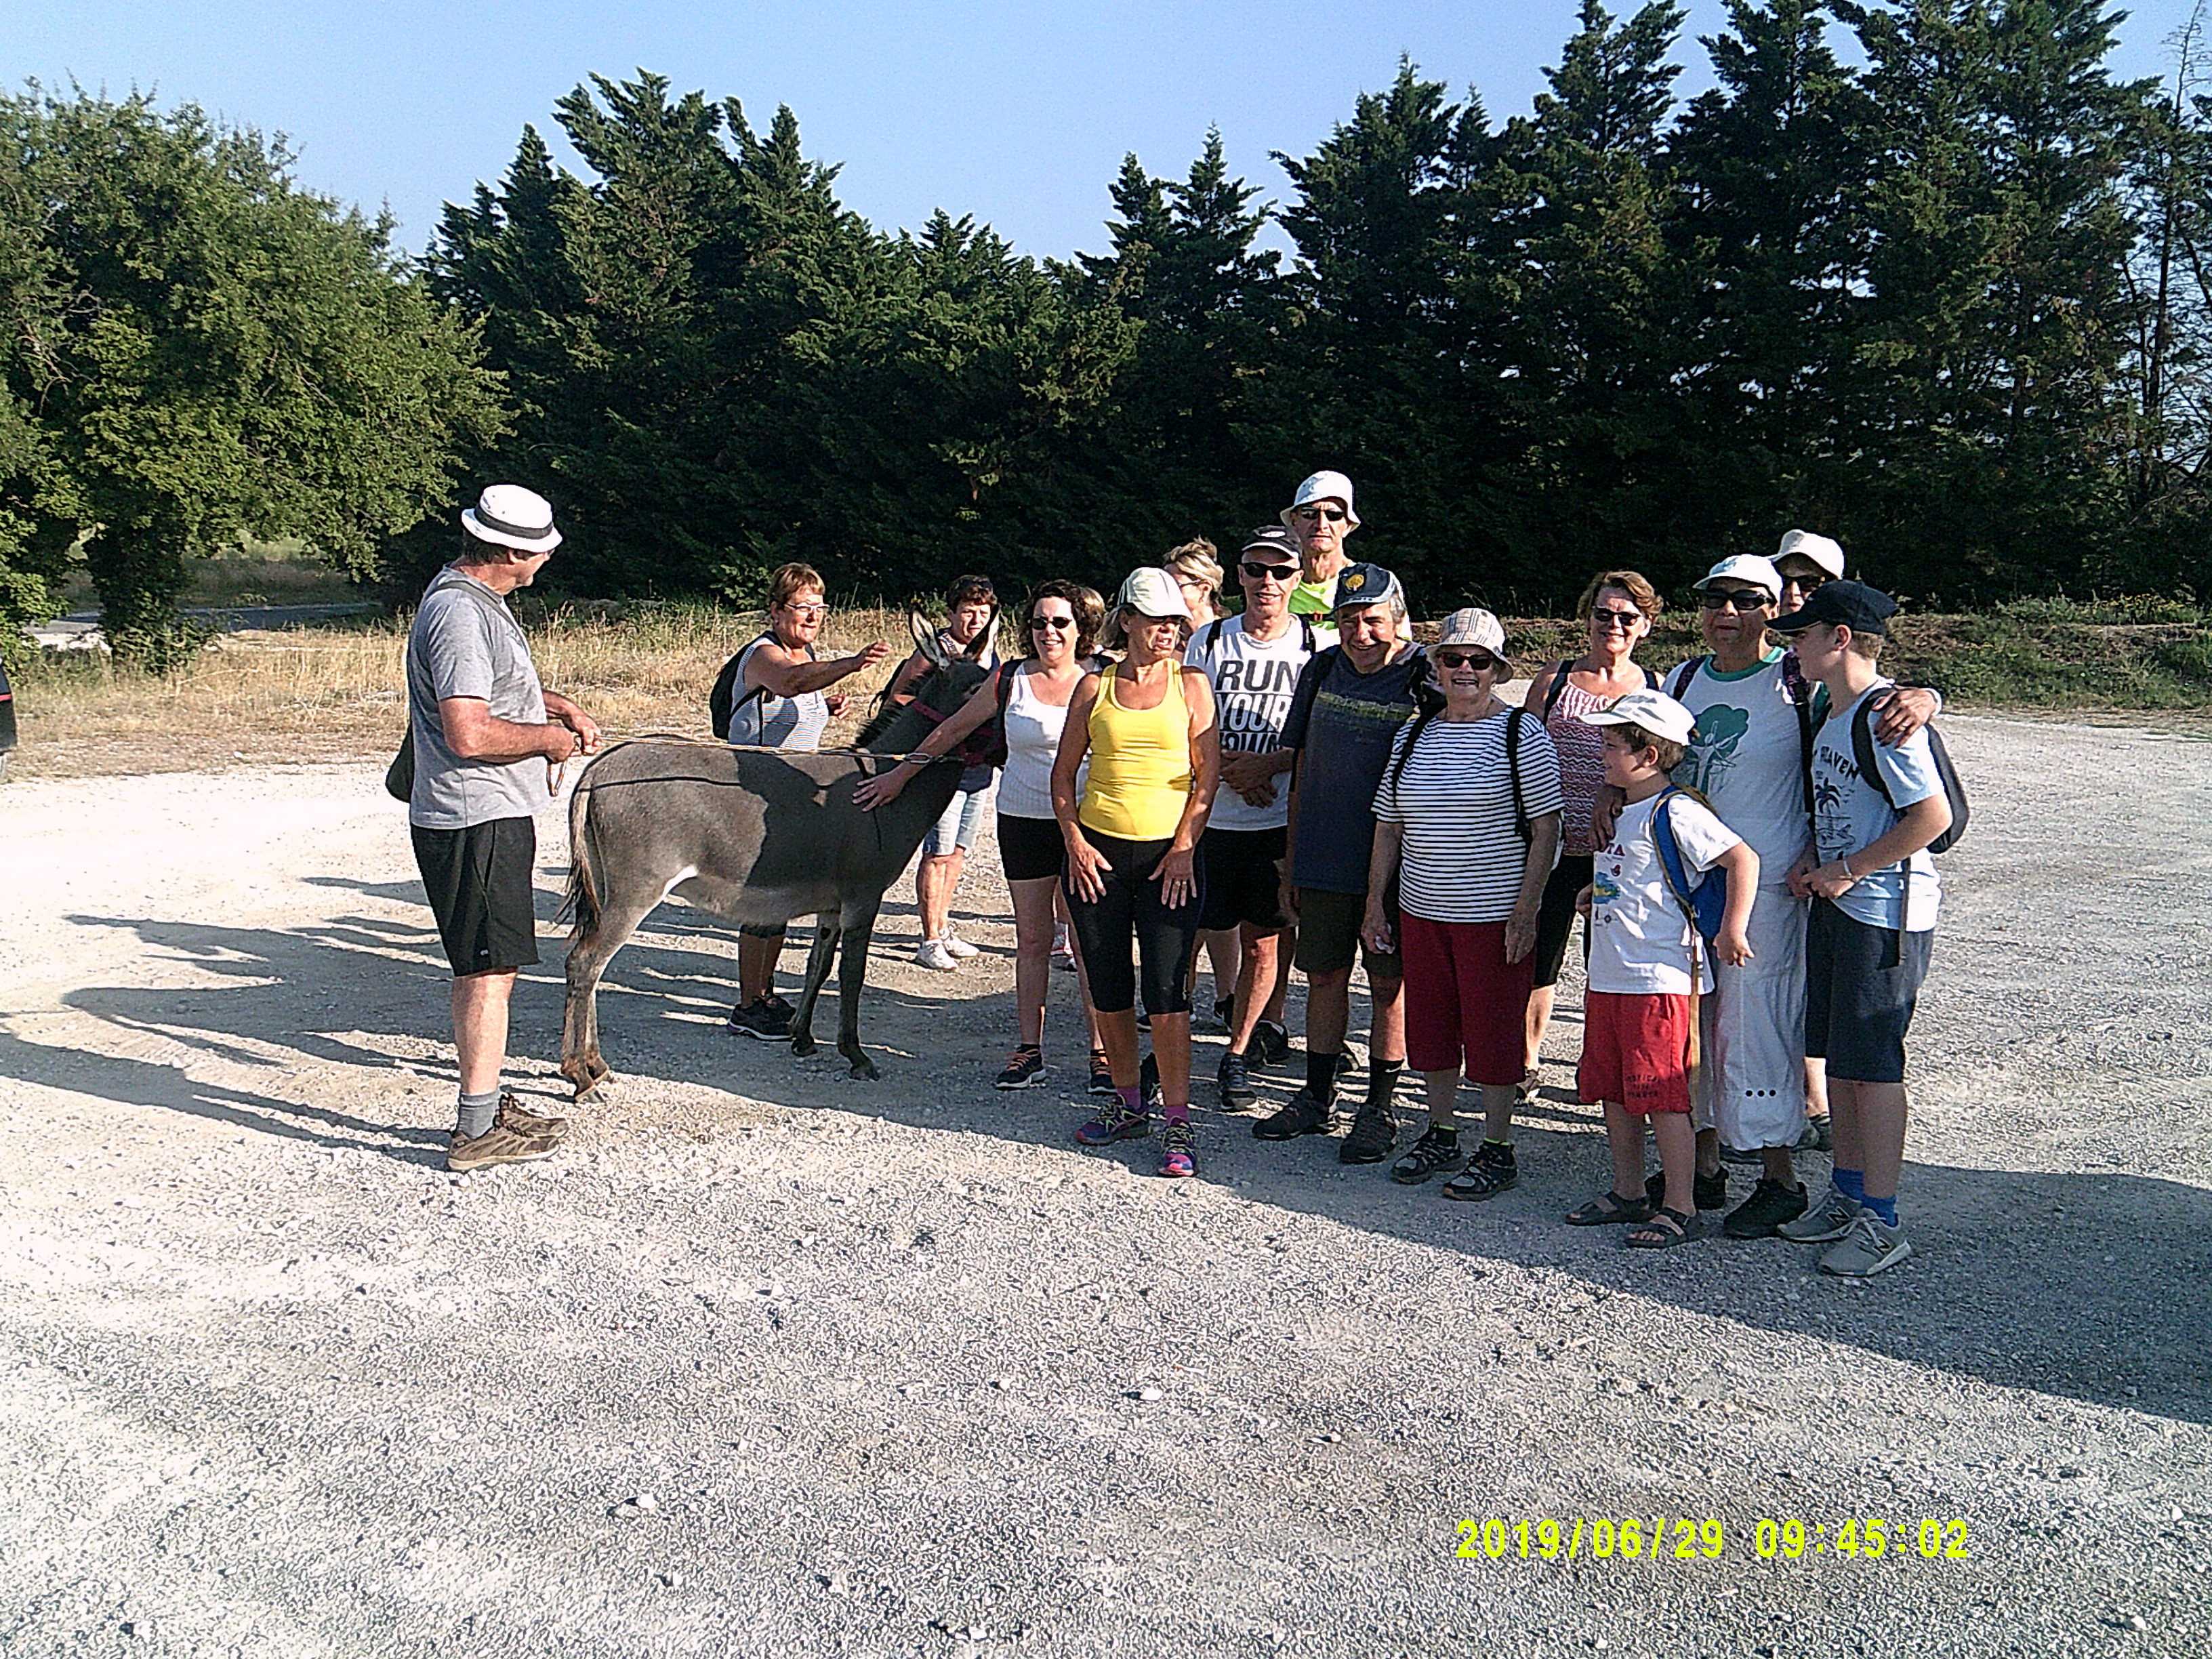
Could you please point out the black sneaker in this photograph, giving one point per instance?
(1374, 1133)
(1148, 1081)
(1302, 1114)
(1489, 1172)
(1761, 1215)
(1225, 1013)
(1707, 1192)
(1101, 1075)
(1236, 1079)
(1436, 1152)
(1025, 1069)
(762, 1019)
(1271, 1044)
(1346, 1066)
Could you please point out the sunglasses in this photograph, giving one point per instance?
(1052, 621)
(1616, 618)
(1260, 573)
(1478, 660)
(1806, 584)
(1332, 515)
(1743, 599)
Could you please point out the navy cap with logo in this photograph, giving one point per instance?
(1364, 584)
(1849, 604)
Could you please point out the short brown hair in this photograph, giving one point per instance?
(1089, 607)
(1629, 582)
(1639, 739)
(970, 590)
(790, 580)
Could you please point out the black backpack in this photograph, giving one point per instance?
(1953, 791)
(723, 702)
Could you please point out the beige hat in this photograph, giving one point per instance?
(1152, 592)
(1654, 711)
(1806, 545)
(507, 515)
(1474, 626)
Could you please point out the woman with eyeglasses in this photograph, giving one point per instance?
(1618, 607)
(1130, 825)
(783, 702)
(1031, 696)
(1466, 830)
(1321, 515)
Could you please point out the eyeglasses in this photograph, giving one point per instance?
(1260, 573)
(1052, 621)
(1332, 515)
(1743, 599)
(803, 612)
(1616, 618)
(1480, 661)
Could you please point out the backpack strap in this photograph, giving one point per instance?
(1684, 675)
(1306, 633)
(1209, 639)
(1801, 691)
(1676, 875)
(1863, 751)
(1551, 692)
(1521, 824)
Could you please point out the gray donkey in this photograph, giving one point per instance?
(756, 836)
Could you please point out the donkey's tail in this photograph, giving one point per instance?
(582, 899)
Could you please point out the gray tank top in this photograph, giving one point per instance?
(777, 722)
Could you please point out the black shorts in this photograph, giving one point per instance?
(1860, 991)
(1328, 935)
(482, 888)
(1243, 878)
(1030, 848)
(1556, 919)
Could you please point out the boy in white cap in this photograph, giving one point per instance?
(1321, 515)
(1649, 965)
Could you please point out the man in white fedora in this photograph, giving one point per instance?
(1321, 515)
(487, 736)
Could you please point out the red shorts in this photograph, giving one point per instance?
(1465, 1004)
(1636, 1051)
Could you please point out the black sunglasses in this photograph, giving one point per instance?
(1478, 660)
(1334, 514)
(1743, 599)
(1260, 573)
(1052, 621)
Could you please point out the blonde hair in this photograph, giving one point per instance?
(790, 580)
(1197, 557)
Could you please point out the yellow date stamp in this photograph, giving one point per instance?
(1675, 1538)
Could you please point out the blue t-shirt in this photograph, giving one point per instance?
(1849, 813)
(1341, 722)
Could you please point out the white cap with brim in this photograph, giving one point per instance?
(1152, 592)
(1654, 711)
(1744, 567)
(1323, 487)
(507, 515)
(1805, 544)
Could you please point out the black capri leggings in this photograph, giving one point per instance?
(1166, 940)
(1557, 918)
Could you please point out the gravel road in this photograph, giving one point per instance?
(772, 1361)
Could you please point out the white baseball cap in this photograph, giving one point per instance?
(1806, 545)
(1654, 711)
(1321, 487)
(507, 515)
(1474, 626)
(1152, 592)
(1744, 567)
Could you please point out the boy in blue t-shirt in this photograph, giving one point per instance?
(1876, 896)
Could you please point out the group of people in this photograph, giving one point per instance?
(1297, 783)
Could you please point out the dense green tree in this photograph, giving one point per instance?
(234, 356)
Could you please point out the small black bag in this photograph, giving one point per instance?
(399, 776)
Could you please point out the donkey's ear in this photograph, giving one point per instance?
(925, 638)
(983, 641)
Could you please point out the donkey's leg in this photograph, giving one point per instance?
(589, 951)
(817, 969)
(860, 924)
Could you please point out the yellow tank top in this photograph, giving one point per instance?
(1141, 773)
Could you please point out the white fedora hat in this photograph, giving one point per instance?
(507, 515)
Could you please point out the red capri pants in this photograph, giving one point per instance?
(1464, 1001)
(1636, 1051)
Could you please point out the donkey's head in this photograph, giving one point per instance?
(951, 679)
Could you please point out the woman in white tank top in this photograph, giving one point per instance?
(1031, 695)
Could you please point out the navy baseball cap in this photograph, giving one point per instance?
(1850, 604)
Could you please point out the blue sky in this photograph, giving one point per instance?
(1018, 114)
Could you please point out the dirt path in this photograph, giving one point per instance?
(906, 1372)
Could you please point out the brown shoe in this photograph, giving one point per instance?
(512, 1117)
(498, 1145)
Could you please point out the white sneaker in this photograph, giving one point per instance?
(934, 955)
(958, 946)
(1868, 1248)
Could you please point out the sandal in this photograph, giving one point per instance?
(1666, 1229)
(1608, 1207)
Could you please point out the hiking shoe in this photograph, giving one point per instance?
(1436, 1152)
(1180, 1156)
(1302, 1114)
(1271, 1043)
(498, 1145)
(512, 1117)
(1374, 1133)
(957, 947)
(1236, 1080)
(1707, 1192)
(1101, 1075)
(1117, 1122)
(762, 1019)
(935, 955)
(1489, 1172)
(1824, 1135)
(1148, 1080)
(1868, 1248)
(1761, 1215)
(1063, 948)
(1025, 1069)
(1826, 1221)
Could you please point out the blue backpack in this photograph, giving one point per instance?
(1704, 900)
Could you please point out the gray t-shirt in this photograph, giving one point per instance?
(465, 643)
(1849, 813)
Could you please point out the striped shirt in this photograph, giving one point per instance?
(1461, 859)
